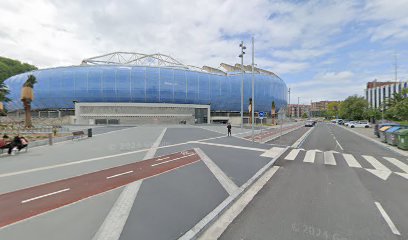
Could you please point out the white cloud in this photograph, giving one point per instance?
(292, 38)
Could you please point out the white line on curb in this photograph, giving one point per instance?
(215, 231)
(302, 138)
(194, 232)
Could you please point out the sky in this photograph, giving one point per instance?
(323, 50)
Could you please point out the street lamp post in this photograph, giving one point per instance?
(289, 107)
(241, 45)
(298, 109)
(253, 88)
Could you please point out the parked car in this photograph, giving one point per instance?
(309, 123)
(359, 125)
(347, 124)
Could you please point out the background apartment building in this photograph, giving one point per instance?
(376, 92)
(318, 109)
(297, 110)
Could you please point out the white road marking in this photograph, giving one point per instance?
(339, 144)
(299, 142)
(351, 161)
(230, 146)
(115, 221)
(223, 207)
(221, 224)
(224, 180)
(387, 219)
(160, 159)
(380, 173)
(120, 174)
(398, 163)
(273, 152)
(329, 158)
(113, 225)
(45, 195)
(310, 156)
(293, 154)
(404, 175)
(172, 160)
(376, 164)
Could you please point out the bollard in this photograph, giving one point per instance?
(89, 132)
(50, 138)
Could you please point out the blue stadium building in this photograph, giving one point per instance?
(123, 77)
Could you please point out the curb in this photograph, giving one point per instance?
(302, 139)
(283, 133)
(401, 152)
(204, 223)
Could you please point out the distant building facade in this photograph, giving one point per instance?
(319, 108)
(376, 92)
(297, 110)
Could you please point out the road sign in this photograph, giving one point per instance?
(261, 115)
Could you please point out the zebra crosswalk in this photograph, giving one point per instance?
(380, 166)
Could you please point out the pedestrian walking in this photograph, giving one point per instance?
(229, 129)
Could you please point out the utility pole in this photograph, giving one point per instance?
(396, 67)
(241, 45)
(290, 109)
(253, 88)
(298, 109)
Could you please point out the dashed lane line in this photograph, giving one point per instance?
(172, 160)
(45, 195)
(119, 174)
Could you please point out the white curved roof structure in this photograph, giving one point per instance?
(136, 59)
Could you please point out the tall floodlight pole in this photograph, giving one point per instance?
(253, 88)
(241, 45)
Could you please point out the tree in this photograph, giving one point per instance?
(27, 96)
(304, 115)
(10, 67)
(273, 112)
(333, 109)
(399, 111)
(397, 106)
(4, 91)
(354, 108)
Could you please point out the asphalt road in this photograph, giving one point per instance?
(338, 186)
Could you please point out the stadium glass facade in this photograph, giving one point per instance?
(58, 88)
